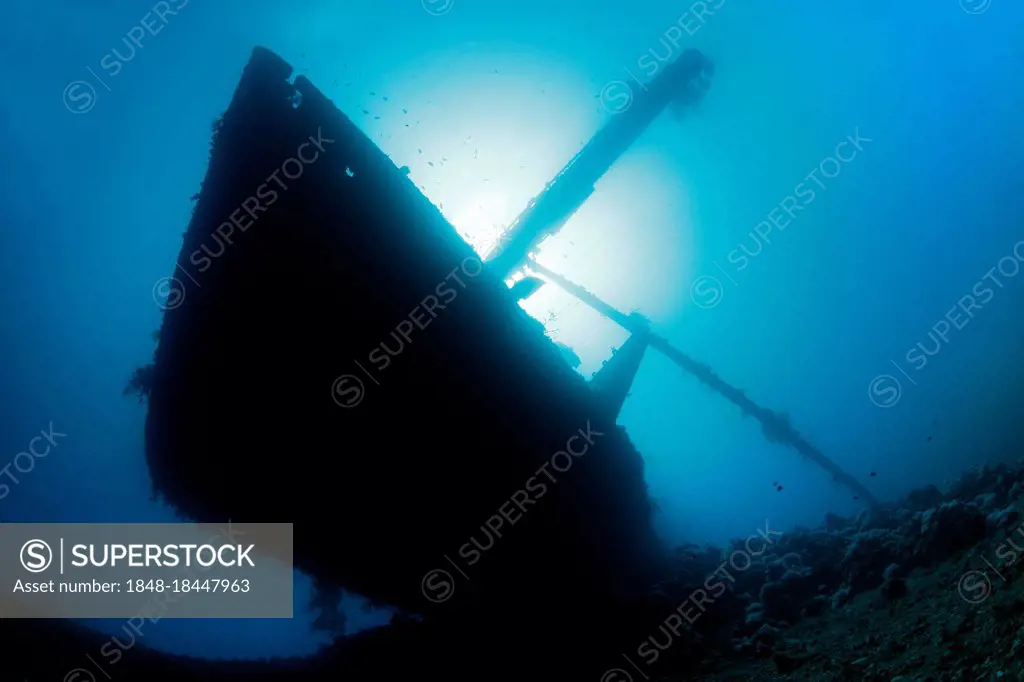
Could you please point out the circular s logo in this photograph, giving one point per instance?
(79, 97)
(974, 587)
(438, 586)
(437, 7)
(79, 675)
(168, 293)
(347, 391)
(616, 97)
(707, 292)
(36, 556)
(975, 6)
(885, 391)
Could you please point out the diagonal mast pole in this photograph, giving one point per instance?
(775, 426)
(682, 80)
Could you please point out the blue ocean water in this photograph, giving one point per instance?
(837, 228)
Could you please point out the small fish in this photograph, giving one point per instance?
(856, 497)
(929, 439)
(779, 488)
(405, 111)
(873, 474)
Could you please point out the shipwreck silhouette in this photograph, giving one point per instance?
(336, 356)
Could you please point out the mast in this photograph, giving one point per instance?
(563, 196)
(776, 427)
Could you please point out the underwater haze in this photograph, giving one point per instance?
(837, 229)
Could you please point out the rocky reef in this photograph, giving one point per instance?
(898, 592)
